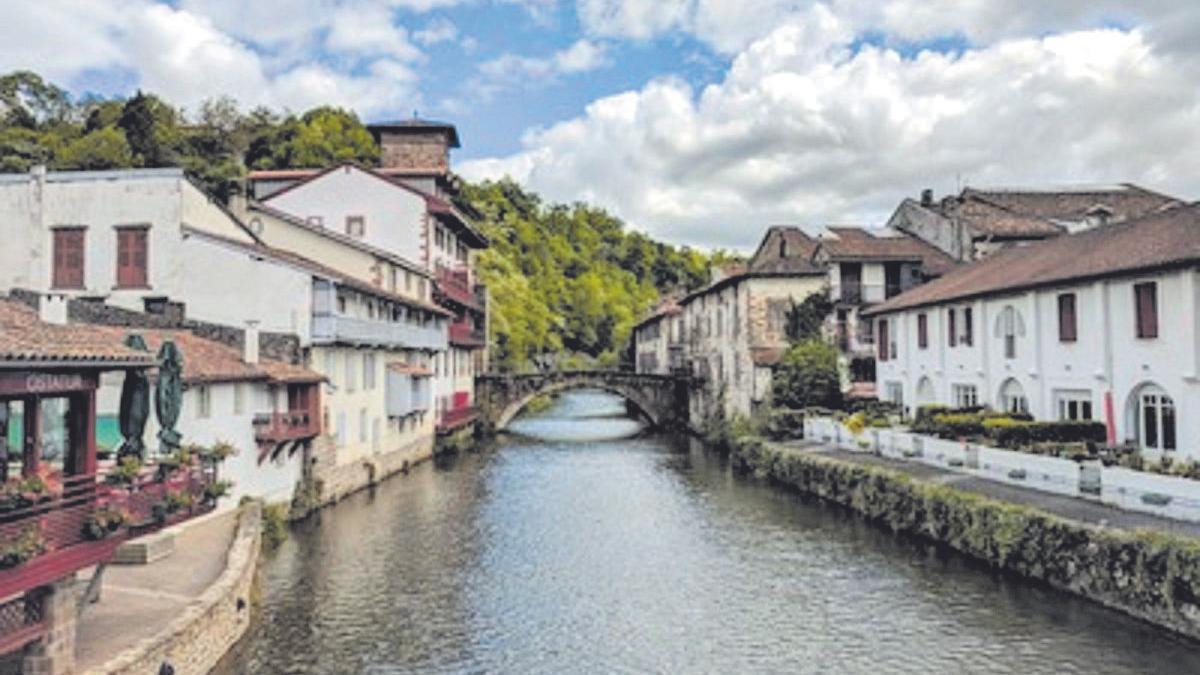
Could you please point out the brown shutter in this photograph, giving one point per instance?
(1147, 309)
(68, 258)
(1067, 328)
(132, 257)
(883, 340)
(953, 328)
(968, 329)
(922, 331)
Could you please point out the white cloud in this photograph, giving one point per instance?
(369, 31)
(511, 69)
(803, 130)
(437, 30)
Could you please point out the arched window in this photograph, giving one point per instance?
(925, 392)
(1012, 397)
(1154, 418)
(1009, 327)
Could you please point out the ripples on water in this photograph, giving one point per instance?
(579, 545)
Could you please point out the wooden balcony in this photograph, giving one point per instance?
(281, 427)
(456, 418)
(463, 333)
(454, 284)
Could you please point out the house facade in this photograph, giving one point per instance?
(1097, 325)
(657, 341)
(405, 209)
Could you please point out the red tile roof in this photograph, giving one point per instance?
(1164, 239)
(25, 338)
(784, 250)
(1122, 201)
(208, 361)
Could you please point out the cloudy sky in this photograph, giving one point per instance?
(698, 121)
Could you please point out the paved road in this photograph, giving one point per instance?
(1084, 510)
(137, 601)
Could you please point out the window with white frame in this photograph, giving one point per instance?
(362, 425)
(895, 393)
(965, 395)
(1073, 404)
(1156, 419)
(892, 333)
(368, 371)
(1012, 397)
(351, 372)
(203, 402)
(1009, 327)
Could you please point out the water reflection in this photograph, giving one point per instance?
(591, 548)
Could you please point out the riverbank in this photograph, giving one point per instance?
(1128, 562)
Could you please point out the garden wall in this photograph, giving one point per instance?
(1154, 577)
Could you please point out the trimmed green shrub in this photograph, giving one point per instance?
(1024, 435)
(783, 424)
(958, 425)
(808, 376)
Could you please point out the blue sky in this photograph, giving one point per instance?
(697, 121)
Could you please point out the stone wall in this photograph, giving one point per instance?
(411, 150)
(1152, 576)
(329, 482)
(197, 639)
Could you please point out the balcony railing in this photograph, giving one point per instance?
(455, 418)
(336, 328)
(285, 426)
(49, 536)
(465, 333)
(860, 293)
(455, 284)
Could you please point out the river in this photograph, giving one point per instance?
(579, 545)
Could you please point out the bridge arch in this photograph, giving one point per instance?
(659, 398)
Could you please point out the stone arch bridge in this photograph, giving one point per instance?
(661, 399)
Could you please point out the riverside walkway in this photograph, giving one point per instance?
(1072, 508)
(138, 601)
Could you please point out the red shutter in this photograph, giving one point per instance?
(1147, 309)
(1066, 318)
(132, 257)
(883, 340)
(68, 258)
(922, 331)
(953, 328)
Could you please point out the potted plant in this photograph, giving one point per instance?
(29, 544)
(103, 522)
(215, 490)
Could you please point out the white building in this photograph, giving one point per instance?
(1101, 325)
(405, 210)
(658, 341)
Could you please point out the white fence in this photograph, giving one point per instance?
(1139, 491)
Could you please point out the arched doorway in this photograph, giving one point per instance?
(1150, 413)
(1012, 397)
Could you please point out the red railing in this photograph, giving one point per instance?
(45, 541)
(464, 332)
(457, 417)
(285, 426)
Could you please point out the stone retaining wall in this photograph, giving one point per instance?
(329, 482)
(197, 639)
(1152, 576)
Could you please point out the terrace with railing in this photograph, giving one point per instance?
(464, 332)
(456, 418)
(50, 528)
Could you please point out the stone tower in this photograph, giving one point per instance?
(415, 145)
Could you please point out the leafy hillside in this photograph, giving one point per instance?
(567, 281)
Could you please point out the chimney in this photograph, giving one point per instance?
(250, 343)
(927, 197)
(52, 308)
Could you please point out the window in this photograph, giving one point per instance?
(368, 371)
(922, 331)
(203, 402)
(1008, 327)
(883, 340)
(951, 321)
(895, 393)
(238, 395)
(68, 257)
(131, 257)
(1012, 398)
(351, 372)
(1067, 331)
(356, 226)
(1073, 405)
(968, 335)
(331, 368)
(362, 425)
(892, 351)
(965, 395)
(1146, 299)
(439, 238)
(392, 279)
(1156, 419)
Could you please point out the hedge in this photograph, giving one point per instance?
(1025, 434)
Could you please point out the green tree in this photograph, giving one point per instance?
(102, 149)
(323, 136)
(808, 376)
(151, 129)
(804, 320)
